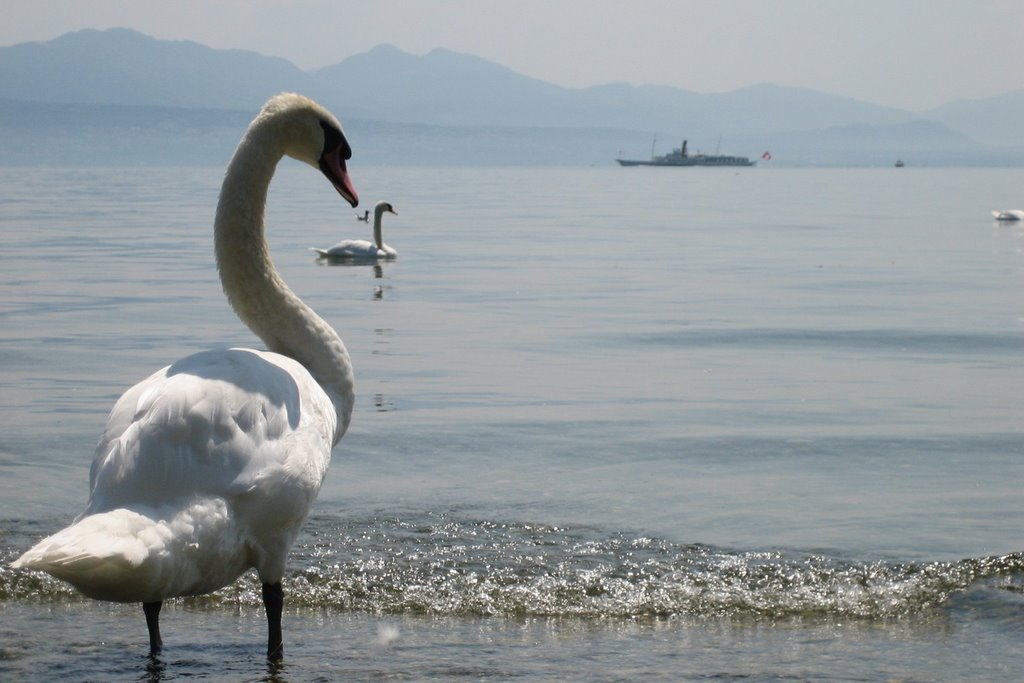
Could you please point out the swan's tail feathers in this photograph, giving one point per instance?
(129, 556)
(322, 253)
(100, 553)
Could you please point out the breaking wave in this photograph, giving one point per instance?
(441, 565)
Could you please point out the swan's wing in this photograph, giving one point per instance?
(226, 423)
(351, 249)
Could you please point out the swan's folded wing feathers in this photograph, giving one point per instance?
(200, 428)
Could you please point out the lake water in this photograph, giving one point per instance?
(612, 424)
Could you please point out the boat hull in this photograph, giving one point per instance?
(691, 161)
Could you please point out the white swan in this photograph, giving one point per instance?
(1008, 215)
(363, 250)
(209, 466)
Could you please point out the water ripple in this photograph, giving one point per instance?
(917, 341)
(439, 565)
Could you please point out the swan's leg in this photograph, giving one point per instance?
(273, 600)
(152, 612)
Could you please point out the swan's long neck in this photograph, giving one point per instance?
(255, 289)
(378, 236)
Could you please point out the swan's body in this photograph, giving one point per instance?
(209, 466)
(363, 250)
(1009, 215)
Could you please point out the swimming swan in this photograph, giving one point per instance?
(363, 250)
(209, 466)
(1008, 215)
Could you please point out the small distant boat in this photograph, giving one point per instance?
(1009, 215)
(680, 157)
(899, 163)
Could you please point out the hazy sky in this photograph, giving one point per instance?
(912, 54)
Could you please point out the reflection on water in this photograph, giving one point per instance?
(155, 668)
(378, 272)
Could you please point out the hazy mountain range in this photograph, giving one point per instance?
(118, 96)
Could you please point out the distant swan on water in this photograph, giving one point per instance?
(1009, 215)
(209, 466)
(363, 250)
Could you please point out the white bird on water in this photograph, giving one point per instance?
(1008, 215)
(363, 250)
(209, 466)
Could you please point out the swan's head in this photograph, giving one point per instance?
(311, 134)
(384, 207)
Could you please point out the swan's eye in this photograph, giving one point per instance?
(334, 139)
